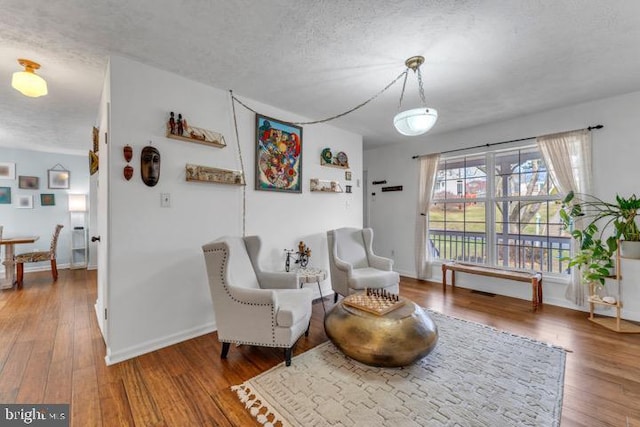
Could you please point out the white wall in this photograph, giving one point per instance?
(41, 220)
(615, 154)
(158, 292)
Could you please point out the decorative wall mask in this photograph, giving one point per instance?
(128, 172)
(150, 165)
(128, 153)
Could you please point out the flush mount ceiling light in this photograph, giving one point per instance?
(27, 82)
(417, 120)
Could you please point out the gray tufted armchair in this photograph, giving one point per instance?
(252, 306)
(354, 266)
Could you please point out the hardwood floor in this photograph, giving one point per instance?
(51, 351)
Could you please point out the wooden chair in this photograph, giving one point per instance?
(37, 256)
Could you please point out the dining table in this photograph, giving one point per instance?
(9, 244)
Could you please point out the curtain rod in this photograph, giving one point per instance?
(590, 128)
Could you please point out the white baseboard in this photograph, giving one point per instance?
(156, 344)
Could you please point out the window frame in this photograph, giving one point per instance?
(491, 201)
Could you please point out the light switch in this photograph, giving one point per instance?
(165, 200)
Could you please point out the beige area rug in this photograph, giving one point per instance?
(476, 376)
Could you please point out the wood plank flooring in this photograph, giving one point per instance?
(51, 351)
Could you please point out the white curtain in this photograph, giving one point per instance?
(568, 158)
(423, 251)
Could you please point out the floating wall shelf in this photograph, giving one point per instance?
(199, 136)
(325, 186)
(213, 175)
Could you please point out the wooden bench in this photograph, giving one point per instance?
(535, 278)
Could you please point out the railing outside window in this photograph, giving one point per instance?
(531, 252)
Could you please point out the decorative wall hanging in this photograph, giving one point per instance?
(93, 162)
(58, 177)
(24, 202)
(339, 160)
(213, 175)
(128, 172)
(95, 139)
(47, 199)
(127, 151)
(347, 175)
(348, 189)
(5, 195)
(177, 128)
(325, 186)
(28, 182)
(7, 170)
(278, 155)
(150, 165)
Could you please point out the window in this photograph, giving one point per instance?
(498, 208)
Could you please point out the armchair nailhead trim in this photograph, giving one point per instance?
(225, 255)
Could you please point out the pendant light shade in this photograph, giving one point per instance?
(415, 121)
(27, 82)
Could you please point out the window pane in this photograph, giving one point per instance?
(526, 225)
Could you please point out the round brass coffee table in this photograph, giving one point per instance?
(395, 339)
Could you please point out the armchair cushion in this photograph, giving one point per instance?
(369, 277)
(292, 306)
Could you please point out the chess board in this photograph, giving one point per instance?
(374, 303)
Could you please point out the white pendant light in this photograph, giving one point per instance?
(415, 121)
(420, 120)
(27, 82)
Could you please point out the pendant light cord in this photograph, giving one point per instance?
(337, 116)
(244, 175)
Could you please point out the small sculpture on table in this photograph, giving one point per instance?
(302, 256)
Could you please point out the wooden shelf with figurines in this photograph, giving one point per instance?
(339, 160)
(177, 128)
(325, 186)
(213, 175)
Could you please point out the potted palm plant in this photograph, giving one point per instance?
(600, 218)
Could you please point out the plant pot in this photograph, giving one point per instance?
(630, 249)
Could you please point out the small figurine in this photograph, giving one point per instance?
(172, 124)
(179, 126)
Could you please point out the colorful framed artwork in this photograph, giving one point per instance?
(47, 199)
(24, 202)
(59, 179)
(7, 170)
(278, 161)
(5, 195)
(28, 182)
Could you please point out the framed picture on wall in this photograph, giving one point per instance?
(47, 199)
(7, 170)
(59, 179)
(24, 202)
(278, 160)
(5, 195)
(28, 182)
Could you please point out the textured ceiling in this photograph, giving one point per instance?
(486, 60)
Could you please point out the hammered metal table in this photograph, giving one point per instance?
(395, 339)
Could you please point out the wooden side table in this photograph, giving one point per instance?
(310, 275)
